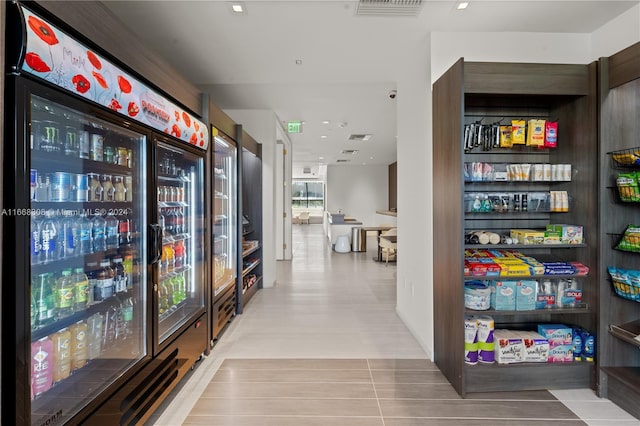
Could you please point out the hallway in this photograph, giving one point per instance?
(325, 347)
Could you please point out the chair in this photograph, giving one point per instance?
(303, 217)
(388, 249)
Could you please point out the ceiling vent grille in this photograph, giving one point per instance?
(306, 170)
(359, 137)
(350, 151)
(389, 7)
(342, 161)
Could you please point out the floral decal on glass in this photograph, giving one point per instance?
(54, 56)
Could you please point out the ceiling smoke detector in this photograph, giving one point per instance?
(389, 7)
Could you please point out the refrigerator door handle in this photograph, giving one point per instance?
(155, 245)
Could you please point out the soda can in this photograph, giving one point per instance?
(97, 145)
(85, 144)
(60, 186)
(81, 187)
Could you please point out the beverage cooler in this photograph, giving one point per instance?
(104, 262)
(225, 232)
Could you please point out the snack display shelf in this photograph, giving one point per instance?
(523, 246)
(518, 277)
(249, 268)
(583, 309)
(628, 332)
(251, 249)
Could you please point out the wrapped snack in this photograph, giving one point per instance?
(551, 134)
(536, 132)
(630, 240)
(505, 137)
(628, 187)
(627, 159)
(518, 132)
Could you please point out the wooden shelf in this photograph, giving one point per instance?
(523, 246)
(628, 332)
(517, 277)
(533, 313)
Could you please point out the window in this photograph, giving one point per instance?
(307, 195)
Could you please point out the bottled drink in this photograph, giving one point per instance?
(162, 223)
(44, 301)
(49, 237)
(81, 290)
(179, 220)
(124, 230)
(110, 327)
(33, 311)
(70, 234)
(41, 366)
(99, 231)
(179, 250)
(36, 238)
(79, 340)
(85, 233)
(65, 290)
(163, 298)
(120, 277)
(92, 276)
(179, 290)
(104, 281)
(168, 258)
(169, 222)
(95, 333)
(71, 144)
(127, 263)
(112, 225)
(61, 354)
(127, 318)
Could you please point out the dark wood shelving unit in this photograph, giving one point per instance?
(250, 173)
(466, 93)
(618, 352)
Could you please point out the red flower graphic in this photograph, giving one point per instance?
(201, 142)
(36, 63)
(177, 114)
(94, 60)
(196, 126)
(81, 83)
(175, 131)
(115, 105)
(42, 30)
(194, 139)
(133, 109)
(186, 118)
(100, 79)
(201, 135)
(124, 84)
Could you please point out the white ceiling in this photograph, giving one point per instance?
(349, 62)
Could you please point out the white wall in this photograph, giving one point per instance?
(358, 190)
(447, 48)
(415, 219)
(617, 34)
(260, 124)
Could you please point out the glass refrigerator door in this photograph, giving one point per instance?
(88, 275)
(181, 269)
(224, 208)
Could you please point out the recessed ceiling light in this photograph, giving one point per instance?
(366, 137)
(370, 158)
(320, 158)
(326, 122)
(237, 7)
(323, 136)
(462, 5)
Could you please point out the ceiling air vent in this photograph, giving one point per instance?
(359, 137)
(349, 151)
(306, 170)
(389, 7)
(342, 161)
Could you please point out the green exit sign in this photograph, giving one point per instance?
(294, 126)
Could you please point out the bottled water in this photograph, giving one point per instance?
(99, 232)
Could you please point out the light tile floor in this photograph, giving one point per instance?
(340, 308)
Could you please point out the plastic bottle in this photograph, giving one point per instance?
(127, 318)
(179, 250)
(70, 234)
(163, 299)
(44, 301)
(120, 277)
(41, 366)
(81, 290)
(477, 204)
(99, 231)
(104, 281)
(61, 354)
(180, 221)
(110, 327)
(124, 230)
(169, 220)
(95, 333)
(111, 232)
(49, 237)
(36, 238)
(92, 276)
(85, 235)
(79, 341)
(65, 290)
(169, 256)
(179, 290)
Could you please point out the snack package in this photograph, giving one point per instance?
(628, 187)
(551, 134)
(627, 158)
(536, 132)
(630, 240)
(505, 137)
(518, 132)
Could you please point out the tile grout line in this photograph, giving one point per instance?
(375, 392)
